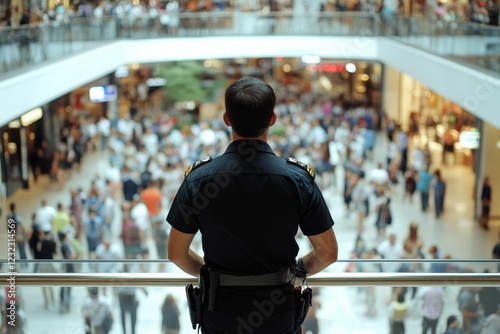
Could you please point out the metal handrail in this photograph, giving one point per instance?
(146, 261)
(321, 279)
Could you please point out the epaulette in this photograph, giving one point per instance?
(196, 165)
(301, 165)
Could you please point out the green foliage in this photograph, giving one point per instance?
(184, 81)
(277, 130)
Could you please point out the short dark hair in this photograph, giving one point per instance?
(12, 206)
(249, 106)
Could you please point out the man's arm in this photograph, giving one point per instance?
(324, 252)
(180, 253)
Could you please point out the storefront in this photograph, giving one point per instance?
(20, 138)
(437, 122)
(356, 81)
(462, 144)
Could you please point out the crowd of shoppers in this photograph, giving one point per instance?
(484, 12)
(121, 212)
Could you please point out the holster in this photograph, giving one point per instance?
(196, 296)
(303, 302)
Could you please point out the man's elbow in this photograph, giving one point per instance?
(173, 256)
(329, 255)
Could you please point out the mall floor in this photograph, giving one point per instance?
(341, 309)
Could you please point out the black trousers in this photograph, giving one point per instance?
(250, 310)
(398, 327)
(429, 324)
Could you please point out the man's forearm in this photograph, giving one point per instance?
(314, 264)
(191, 263)
(324, 252)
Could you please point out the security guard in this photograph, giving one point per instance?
(248, 204)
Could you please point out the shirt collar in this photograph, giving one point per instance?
(245, 145)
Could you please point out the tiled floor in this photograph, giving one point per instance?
(342, 309)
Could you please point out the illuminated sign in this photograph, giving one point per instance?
(470, 139)
(156, 82)
(327, 68)
(103, 93)
(121, 71)
(31, 116)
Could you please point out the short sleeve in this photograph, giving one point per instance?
(316, 218)
(183, 214)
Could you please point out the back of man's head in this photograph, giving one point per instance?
(249, 106)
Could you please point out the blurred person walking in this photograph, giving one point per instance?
(33, 237)
(359, 196)
(384, 215)
(76, 208)
(439, 187)
(140, 214)
(170, 316)
(69, 255)
(128, 304)
(469, 305)
(61, 221)
(46, 250)
(486, 193)
(453, 326)
(44, 215)
(108, 254)
(398, 312)
(496, 251)
(424, 179)
(492, 323)
(104, 129)
(21, 234)
(414, 241)
(410, 183)
(97, 313)
(132, 235)
(93, 232)
(432, 304)
(161, 239)
(391, 250)
(130, 185)
(152, 197)
(402, 141)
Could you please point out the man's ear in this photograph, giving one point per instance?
(226, 119)
(273, 119)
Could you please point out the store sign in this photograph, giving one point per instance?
(121, 71)
(103, 93)
(327, 68)
(156, 82)
(470, 139)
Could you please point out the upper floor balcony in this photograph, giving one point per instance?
(471, 43)
(51, 60)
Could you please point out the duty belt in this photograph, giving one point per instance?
(280, 277)
(216, 279)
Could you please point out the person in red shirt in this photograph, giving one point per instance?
(152, 197)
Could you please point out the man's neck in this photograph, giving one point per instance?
(235, 137)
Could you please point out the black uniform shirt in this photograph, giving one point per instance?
(248, 204)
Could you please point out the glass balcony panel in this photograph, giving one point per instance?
(23, 46)
(350, 304)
